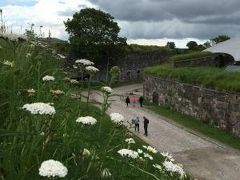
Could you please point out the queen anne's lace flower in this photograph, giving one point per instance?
(128, 153)
(61, 56)
(140, 151)
(86, 152)
(52, 168)
(39, 108)
(169, 166)
(73, 81)
(168, 156)
(48, 78)
(8, 63)
(117, 118)
(57, 92)
(150, 149)
(106, 173)
(157, 166)
(130, 141)
(92, 69)
(107, 89)
(87, 120)
(31, 92)
(146, 155)
(84, 62)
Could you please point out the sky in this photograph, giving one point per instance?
(150, 22)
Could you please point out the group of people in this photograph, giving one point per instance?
(134, 100)
(136, 122)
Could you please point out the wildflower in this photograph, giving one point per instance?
(140, 151)
(92, 69)
(84, 62)
(75, 67)
(130, 141)
(31, 92)
(61, 56)
(52, 168)
(48, 78)
(86, 152)
(106, 89)
(42, 134)
(28, 55)
(57, 92)
(157, 166)
(75, 96)
(152, 149)
(106, 173)
(128, 153)
(168, 156)
(8, 63)
(169, 166)
(39, 108)
(146, 155)
(117, 118)
(87, 120)
(73, 81)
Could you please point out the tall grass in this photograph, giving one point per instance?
(27, 140)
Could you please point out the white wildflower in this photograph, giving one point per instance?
(146, 155)
(128, 153)
(8, 63)
(157, 166)
(130, 141)
(48, 78)
(42, 134)
(92, 69)
(52, 168)
(86, 152)
(145, 147)
(169, 166)
(75, 67)
(57, 92)
(61, 56)
(87, 120)
(73, 81)
(106, 173)
(107, 89)
(39, 108)
(117, 118)
(151, 149)
(28, 55)
(140, 151)
(168, 156)
(31, 92)
(84, 62)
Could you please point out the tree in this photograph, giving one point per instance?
(219, 39)
(192, 45)
(207, 44)
(171, 45)
(93, 34)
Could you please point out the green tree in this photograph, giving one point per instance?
(192, 45)
(171, 45)
(219, 39)
(94, 34)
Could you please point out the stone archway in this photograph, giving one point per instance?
(155, 98)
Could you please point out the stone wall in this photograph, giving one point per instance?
(219, 109)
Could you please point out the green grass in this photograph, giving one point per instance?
(198, 126)
(191, 55)
(209, 77)
(135, 48)
(23, 147)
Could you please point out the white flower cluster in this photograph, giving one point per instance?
(61, 56)
(157, 166)
(84, 62)
(106, 173)
(86, 152)
(13, 37)
(146, 155)
(39, 108)
(128, 153)
(73, 81)
(117, 118)
(52, 168)
(175, 168)
(92, 69)
(150, 149)
(31, 92)
(107, 89)
(57, 92)
(130, 141)
(167, 156)
(88, 120)
(48, 78)
(8, 63)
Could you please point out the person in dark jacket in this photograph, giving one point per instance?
(141, 101)
(145, 122)
(127, 100)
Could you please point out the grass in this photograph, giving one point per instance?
(191, 55)
(209, 77)
(27, 140)
(198, 126)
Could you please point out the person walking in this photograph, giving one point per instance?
(145, 122)
(137, 124)
(127, 100)
(141, 101)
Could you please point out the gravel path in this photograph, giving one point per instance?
(201, 157)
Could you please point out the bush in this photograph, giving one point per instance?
(191, 55)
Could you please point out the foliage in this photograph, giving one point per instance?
(26, 140)
(94, 34)
(219, 39)
(210, 77)
(171, 45)
(198, 126)
(135, 48)
(191, 55)
(192, 45)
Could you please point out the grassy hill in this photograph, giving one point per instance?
(30, 135)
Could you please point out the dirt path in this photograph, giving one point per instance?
(201, 157)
